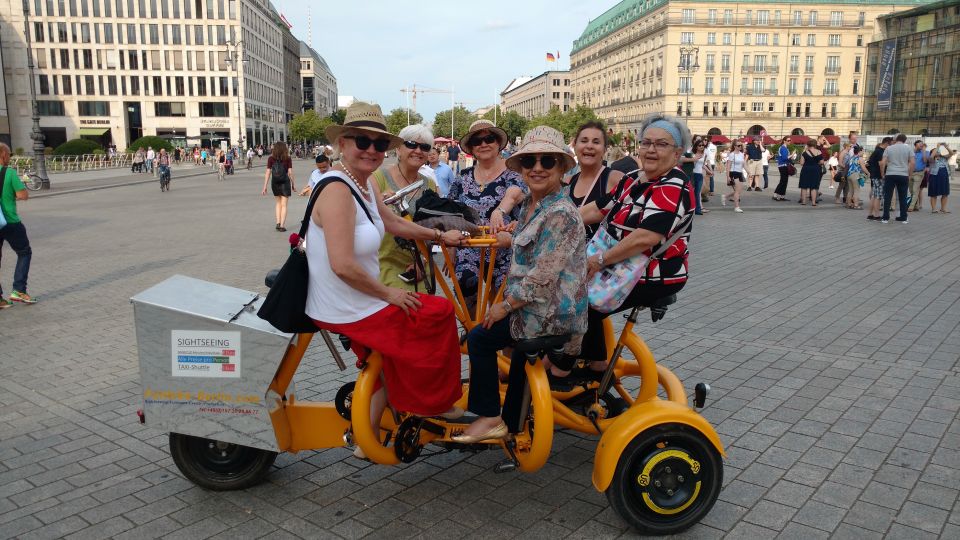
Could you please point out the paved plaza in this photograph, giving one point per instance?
(831, 343)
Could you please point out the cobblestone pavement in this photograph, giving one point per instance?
(831, 343)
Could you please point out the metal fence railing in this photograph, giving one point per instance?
(86, 162)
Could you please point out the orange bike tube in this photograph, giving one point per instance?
(363, 433)
(289, 364)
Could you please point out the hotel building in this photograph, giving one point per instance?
(736, 67)
(205, 72)
(317, 81)
(534, 96)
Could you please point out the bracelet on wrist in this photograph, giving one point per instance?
(600, 259)
(507, 306)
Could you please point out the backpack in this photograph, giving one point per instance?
(278, 172)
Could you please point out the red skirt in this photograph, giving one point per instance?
(421, 353)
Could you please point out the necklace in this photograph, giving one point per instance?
(405, 179)
(363, 191)
(482, 183)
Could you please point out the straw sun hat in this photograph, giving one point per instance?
(542, 140)
(481, 125)
(366, 117)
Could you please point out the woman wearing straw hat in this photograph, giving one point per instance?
(491, 189)
(641, 215)
(411, 155)
(546, 293)
(421, 353)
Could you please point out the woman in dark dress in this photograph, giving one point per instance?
(810, 174)
(594, 178)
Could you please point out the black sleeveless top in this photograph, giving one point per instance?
(599, 188)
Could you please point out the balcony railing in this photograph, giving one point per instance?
(831, 92)
(759, 69)
(685, 90)
(832, 70)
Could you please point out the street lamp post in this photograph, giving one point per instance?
(39, 159)
(234, 57)
(689, 64)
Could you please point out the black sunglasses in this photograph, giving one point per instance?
(489, 138)
(363, 142)
(413, 145)
(547, 162)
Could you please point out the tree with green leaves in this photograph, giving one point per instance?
(338, 116)
(306, 126)
(510, 122)
(462, 118)
(397, 119)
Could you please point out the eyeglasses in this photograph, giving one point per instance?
(477, 140)
(413, 145)
(659, 145)
(363, 142)
(546, 161)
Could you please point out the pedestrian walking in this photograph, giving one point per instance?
(810, 173)
(754, 168)
(279, 175)
(919, 172)
(897, 162)
(939, 186)
(783, 166)
(876, 178)
(854, 178)
(13, 231)
(151, 155)
(735, 162)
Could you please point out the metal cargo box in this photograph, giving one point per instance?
(206, 361)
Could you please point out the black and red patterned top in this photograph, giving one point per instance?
(657, 206)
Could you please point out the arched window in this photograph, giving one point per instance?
(827, 131)
(755, 130)
(797, 131)
(714, 131)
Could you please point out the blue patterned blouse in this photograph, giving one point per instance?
(549, 271)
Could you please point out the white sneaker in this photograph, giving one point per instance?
(738, 209)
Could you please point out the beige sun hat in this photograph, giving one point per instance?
(542, 140)
(481, 125)
(362, 116)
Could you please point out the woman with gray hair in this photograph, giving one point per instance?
(642, 214)
(397, 268)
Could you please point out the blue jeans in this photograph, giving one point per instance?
(766, 177)
(899, 183)
(697, 188)
(711, 181)
(16, 234)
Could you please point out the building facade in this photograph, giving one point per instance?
(317, 81)
(534, 96)
(913, 72)
(196, 72)
(736, 67)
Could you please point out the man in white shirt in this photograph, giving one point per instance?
(710, 156)
(323, 166)
(150, 157)
(765, 158)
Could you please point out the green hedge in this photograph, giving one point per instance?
(150, 141)
(76, 147)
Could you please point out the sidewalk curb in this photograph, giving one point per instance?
(42, 194)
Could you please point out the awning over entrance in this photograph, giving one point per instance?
(93, 131)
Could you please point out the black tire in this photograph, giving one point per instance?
(219, 466)
(344, 399)
(693, 482)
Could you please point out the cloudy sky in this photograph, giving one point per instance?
(377, 47)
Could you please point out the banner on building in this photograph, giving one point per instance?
(888, 56)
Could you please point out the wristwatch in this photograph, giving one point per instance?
(600, 259)
(507, 306)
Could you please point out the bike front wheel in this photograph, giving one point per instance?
(33, 182)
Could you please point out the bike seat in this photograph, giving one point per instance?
(663, 301)
(271, 277)
(542, 343)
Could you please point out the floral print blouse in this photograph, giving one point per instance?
(549, 271)
(466, 190)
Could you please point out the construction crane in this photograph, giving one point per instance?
(411, 95)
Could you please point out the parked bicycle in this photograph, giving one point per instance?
(31, 180)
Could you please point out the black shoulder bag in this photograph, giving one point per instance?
(285, 304)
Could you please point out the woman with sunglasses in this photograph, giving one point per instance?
(735, 162)
(641, 215)
(546, 292)
(397, 268)
(594, 178)
(421, 353)
(491, 189)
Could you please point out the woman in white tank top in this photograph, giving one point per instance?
(416, 334)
